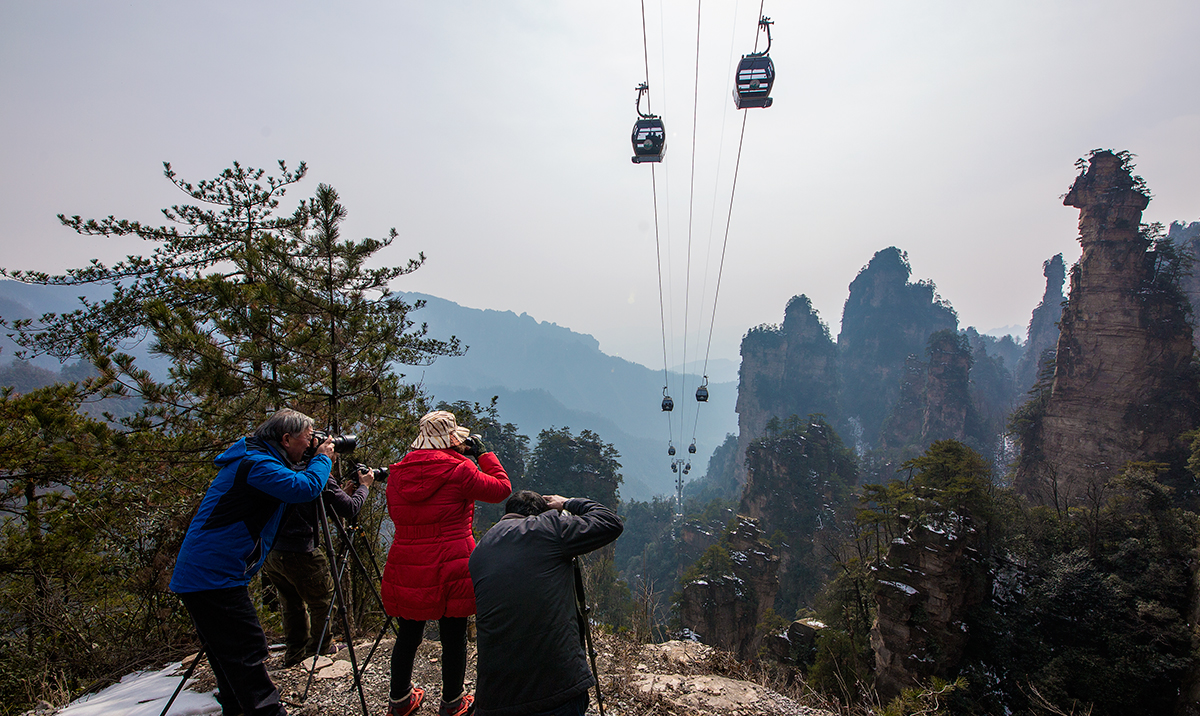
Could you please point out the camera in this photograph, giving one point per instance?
(380, 473)
(342, 444)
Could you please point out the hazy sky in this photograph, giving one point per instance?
(495, 137)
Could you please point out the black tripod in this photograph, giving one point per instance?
(585, 630)
(338, 563)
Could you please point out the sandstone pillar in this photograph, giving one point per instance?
(1122, 388)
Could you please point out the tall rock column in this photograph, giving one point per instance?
(933, 576)
(886, 318)
(1123, 387)
(1187, 238)
(786, 370)
(1042, 334)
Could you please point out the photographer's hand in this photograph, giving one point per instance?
(326, 449)
(556, 502)
(473, 446)
(366, 476)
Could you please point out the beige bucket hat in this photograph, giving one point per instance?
(439, 430)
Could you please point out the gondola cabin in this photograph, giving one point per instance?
(692, 448)
(752, 85)
(702, 394)
(668, 405)
(671, 450)
(649, 140)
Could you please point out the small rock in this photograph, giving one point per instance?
(335, 670)
(322, 662)
(680, 652)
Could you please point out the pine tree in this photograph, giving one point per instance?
(254, 312)
(575, 466)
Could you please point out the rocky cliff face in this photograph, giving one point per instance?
(798, 477)
(1124, 388)
(1187, 238)
(786, 370)
(886, 319)
(1042, 335)
(931, 578)
(994, 391)
(724, 605)
(935, 401)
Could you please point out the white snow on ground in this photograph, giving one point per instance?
(144, 694)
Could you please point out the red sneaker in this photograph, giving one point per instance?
(407, 706)
(465, 706)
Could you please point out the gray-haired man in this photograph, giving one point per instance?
(226, 544)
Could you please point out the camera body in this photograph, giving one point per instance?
(380, 473)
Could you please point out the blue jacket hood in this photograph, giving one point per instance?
(234, 452)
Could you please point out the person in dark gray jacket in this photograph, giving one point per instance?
(299, 568)
(531, 659)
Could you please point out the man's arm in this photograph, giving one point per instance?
(289, 485)
(590, 527)
(347, 506)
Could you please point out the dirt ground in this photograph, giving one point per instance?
(628, 674)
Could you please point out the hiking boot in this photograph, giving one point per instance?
(407, 705)
(462, 706)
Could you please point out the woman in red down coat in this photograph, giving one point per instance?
(431, 496)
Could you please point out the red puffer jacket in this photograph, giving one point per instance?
(431, 498)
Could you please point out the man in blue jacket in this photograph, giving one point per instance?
(226, 544)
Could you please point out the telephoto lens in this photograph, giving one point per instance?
(342, 444)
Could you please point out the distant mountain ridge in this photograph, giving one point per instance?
(545, 375)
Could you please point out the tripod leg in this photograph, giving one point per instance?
(582, 609)
(312, 671)
(347, 536)
(186, 675)
(378, 638)
(341, 602)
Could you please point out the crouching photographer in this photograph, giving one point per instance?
(531, 621)
(229, 539)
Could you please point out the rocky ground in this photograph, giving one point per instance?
(670, 679)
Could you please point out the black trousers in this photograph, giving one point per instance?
(453, 632)
(233, 638)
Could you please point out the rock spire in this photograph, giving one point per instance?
(1123, 384)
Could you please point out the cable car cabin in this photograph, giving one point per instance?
(671, 450)
(668, 405)
(692, 448)
(649, 140)
(755, 76)
(702, 394)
